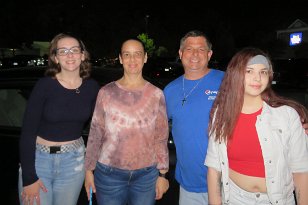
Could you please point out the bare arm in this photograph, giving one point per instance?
(301, 187)
(89, 182)
(214, 187)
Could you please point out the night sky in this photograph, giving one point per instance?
(104, 25)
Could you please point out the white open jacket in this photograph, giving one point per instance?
(284, 146)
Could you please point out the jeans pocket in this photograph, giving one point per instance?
(149, 169)
(104, 169)
(80, 151)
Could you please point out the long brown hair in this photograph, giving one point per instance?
(54, 67)
(229, 101)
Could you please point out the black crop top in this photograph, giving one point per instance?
(56, 114)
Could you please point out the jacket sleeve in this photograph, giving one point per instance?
(298, 144)
(212, 156)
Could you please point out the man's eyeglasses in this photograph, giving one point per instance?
(72, 50)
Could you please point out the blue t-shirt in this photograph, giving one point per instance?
(190, 126)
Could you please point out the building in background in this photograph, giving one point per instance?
(294, 40)
(42, 46)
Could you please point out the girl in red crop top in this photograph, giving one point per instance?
(244, 150)
(257, 147)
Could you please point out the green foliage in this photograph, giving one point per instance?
(148, 43)
(161, 51)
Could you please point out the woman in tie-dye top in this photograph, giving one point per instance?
(127, 145)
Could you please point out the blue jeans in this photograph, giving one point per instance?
(62, 174)
(119, 187)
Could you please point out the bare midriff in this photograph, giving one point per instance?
(248, 183)
(42, 141)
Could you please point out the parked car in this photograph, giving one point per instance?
(23, 61)
(291, 73)
(167, 69)
(15, 88)
(163, 68)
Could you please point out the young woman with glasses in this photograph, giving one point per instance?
(51, 147)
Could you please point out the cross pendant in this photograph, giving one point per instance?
(183, 101)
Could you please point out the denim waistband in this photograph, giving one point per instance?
(60, 148)
(242, 192)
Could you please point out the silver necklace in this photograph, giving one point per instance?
(186, 96)
(77, 91)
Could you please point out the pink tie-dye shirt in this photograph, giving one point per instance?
(129, 128)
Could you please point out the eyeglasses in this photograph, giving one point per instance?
(72, 50)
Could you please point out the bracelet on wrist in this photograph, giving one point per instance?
(162, 175)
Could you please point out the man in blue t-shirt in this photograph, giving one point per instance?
(189, 99)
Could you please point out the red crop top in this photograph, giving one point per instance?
(244, 150)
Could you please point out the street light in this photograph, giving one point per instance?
(146, 18)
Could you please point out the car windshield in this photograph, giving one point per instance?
(12, 106)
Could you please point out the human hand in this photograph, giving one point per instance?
(31, 193)
(89, 182)
(162, 186)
